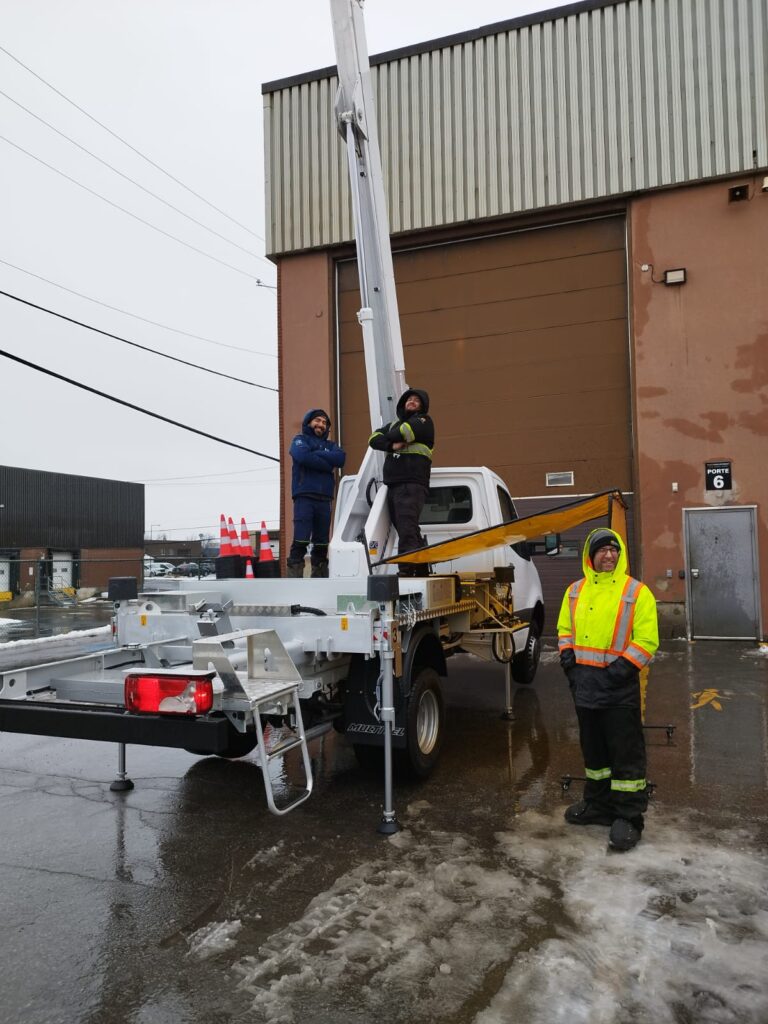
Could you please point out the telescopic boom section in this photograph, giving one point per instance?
(363, 529)
(356, 121)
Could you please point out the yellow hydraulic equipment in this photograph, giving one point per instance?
(557, 520)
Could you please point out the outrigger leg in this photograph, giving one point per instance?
(122, 782)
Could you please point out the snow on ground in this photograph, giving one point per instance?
(96, 631)
(539, 925)
(212, 939)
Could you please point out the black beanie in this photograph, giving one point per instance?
(601, 539)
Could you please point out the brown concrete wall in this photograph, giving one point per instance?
(306, 369)
(97, 565)
(701, 364)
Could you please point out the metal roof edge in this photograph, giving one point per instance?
(468, 36)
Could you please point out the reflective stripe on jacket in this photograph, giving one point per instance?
(413, 462)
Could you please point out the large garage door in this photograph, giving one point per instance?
(521, 341)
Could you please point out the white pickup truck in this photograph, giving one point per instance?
(205, 664)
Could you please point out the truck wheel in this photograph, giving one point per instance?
(525, 663)
(424, 725)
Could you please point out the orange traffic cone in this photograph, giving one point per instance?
(265, 551)
(245, 540)
(225, 547)
(233, 540)
(249, 569)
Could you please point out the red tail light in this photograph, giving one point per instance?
(173, 695)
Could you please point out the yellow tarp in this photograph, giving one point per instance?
(557, 520)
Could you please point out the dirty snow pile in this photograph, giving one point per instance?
(72, 635)
(212, 939)
(539, 925)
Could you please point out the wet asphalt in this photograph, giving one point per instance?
(185, 901)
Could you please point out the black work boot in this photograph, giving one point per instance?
(623, 835)
(583, 813)
(319, 571)
(294, 570)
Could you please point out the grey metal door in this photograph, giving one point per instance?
(722, 573)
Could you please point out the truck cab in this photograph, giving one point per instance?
(464, 500)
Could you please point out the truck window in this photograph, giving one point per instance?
(508, 511)
(447, 505)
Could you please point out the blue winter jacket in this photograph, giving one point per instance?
(314, 460)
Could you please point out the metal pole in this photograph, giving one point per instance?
(38, 591)
(388, 824)
(122, 782)
(507, 712)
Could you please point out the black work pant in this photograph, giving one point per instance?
(613, 746)
(311, 522)
(405, 502)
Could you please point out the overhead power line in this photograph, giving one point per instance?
(143, 319)
(122, 209)
(134, 344)
(128, 144)
(201, 476)
(207, 526)
(130, 405)
(219, 483)
(127, 177)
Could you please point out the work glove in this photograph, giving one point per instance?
(621, 670)
(567, 660)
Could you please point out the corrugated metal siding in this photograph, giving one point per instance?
(603, 102)
(56, 510)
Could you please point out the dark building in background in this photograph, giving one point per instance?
(77, 530)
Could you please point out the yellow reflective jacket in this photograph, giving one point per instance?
(607, 616)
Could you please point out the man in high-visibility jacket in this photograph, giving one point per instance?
(607, 632)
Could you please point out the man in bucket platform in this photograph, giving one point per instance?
(607, 632)
(408, 442)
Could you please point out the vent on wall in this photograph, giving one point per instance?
(560, 479)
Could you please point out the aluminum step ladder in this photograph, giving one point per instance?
(269, 686)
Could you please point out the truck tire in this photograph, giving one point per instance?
(424, 726)
(525, 663)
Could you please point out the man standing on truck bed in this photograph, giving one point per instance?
(312, 484)
(607, 632)
(408, 442)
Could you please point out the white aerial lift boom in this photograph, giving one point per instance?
(362, 526)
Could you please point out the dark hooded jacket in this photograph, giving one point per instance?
(412, 464)
(314, 460)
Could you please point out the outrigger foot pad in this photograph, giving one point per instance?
(121, 785)
(388, 828)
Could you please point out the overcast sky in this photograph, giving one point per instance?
(180, 80)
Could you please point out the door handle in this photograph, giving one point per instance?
(695, 573)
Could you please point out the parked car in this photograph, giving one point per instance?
(153, 568)
(187, 569)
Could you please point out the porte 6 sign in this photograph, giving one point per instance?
(717, 476)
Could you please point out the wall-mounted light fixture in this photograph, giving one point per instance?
(738, 193)
(676, 276)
